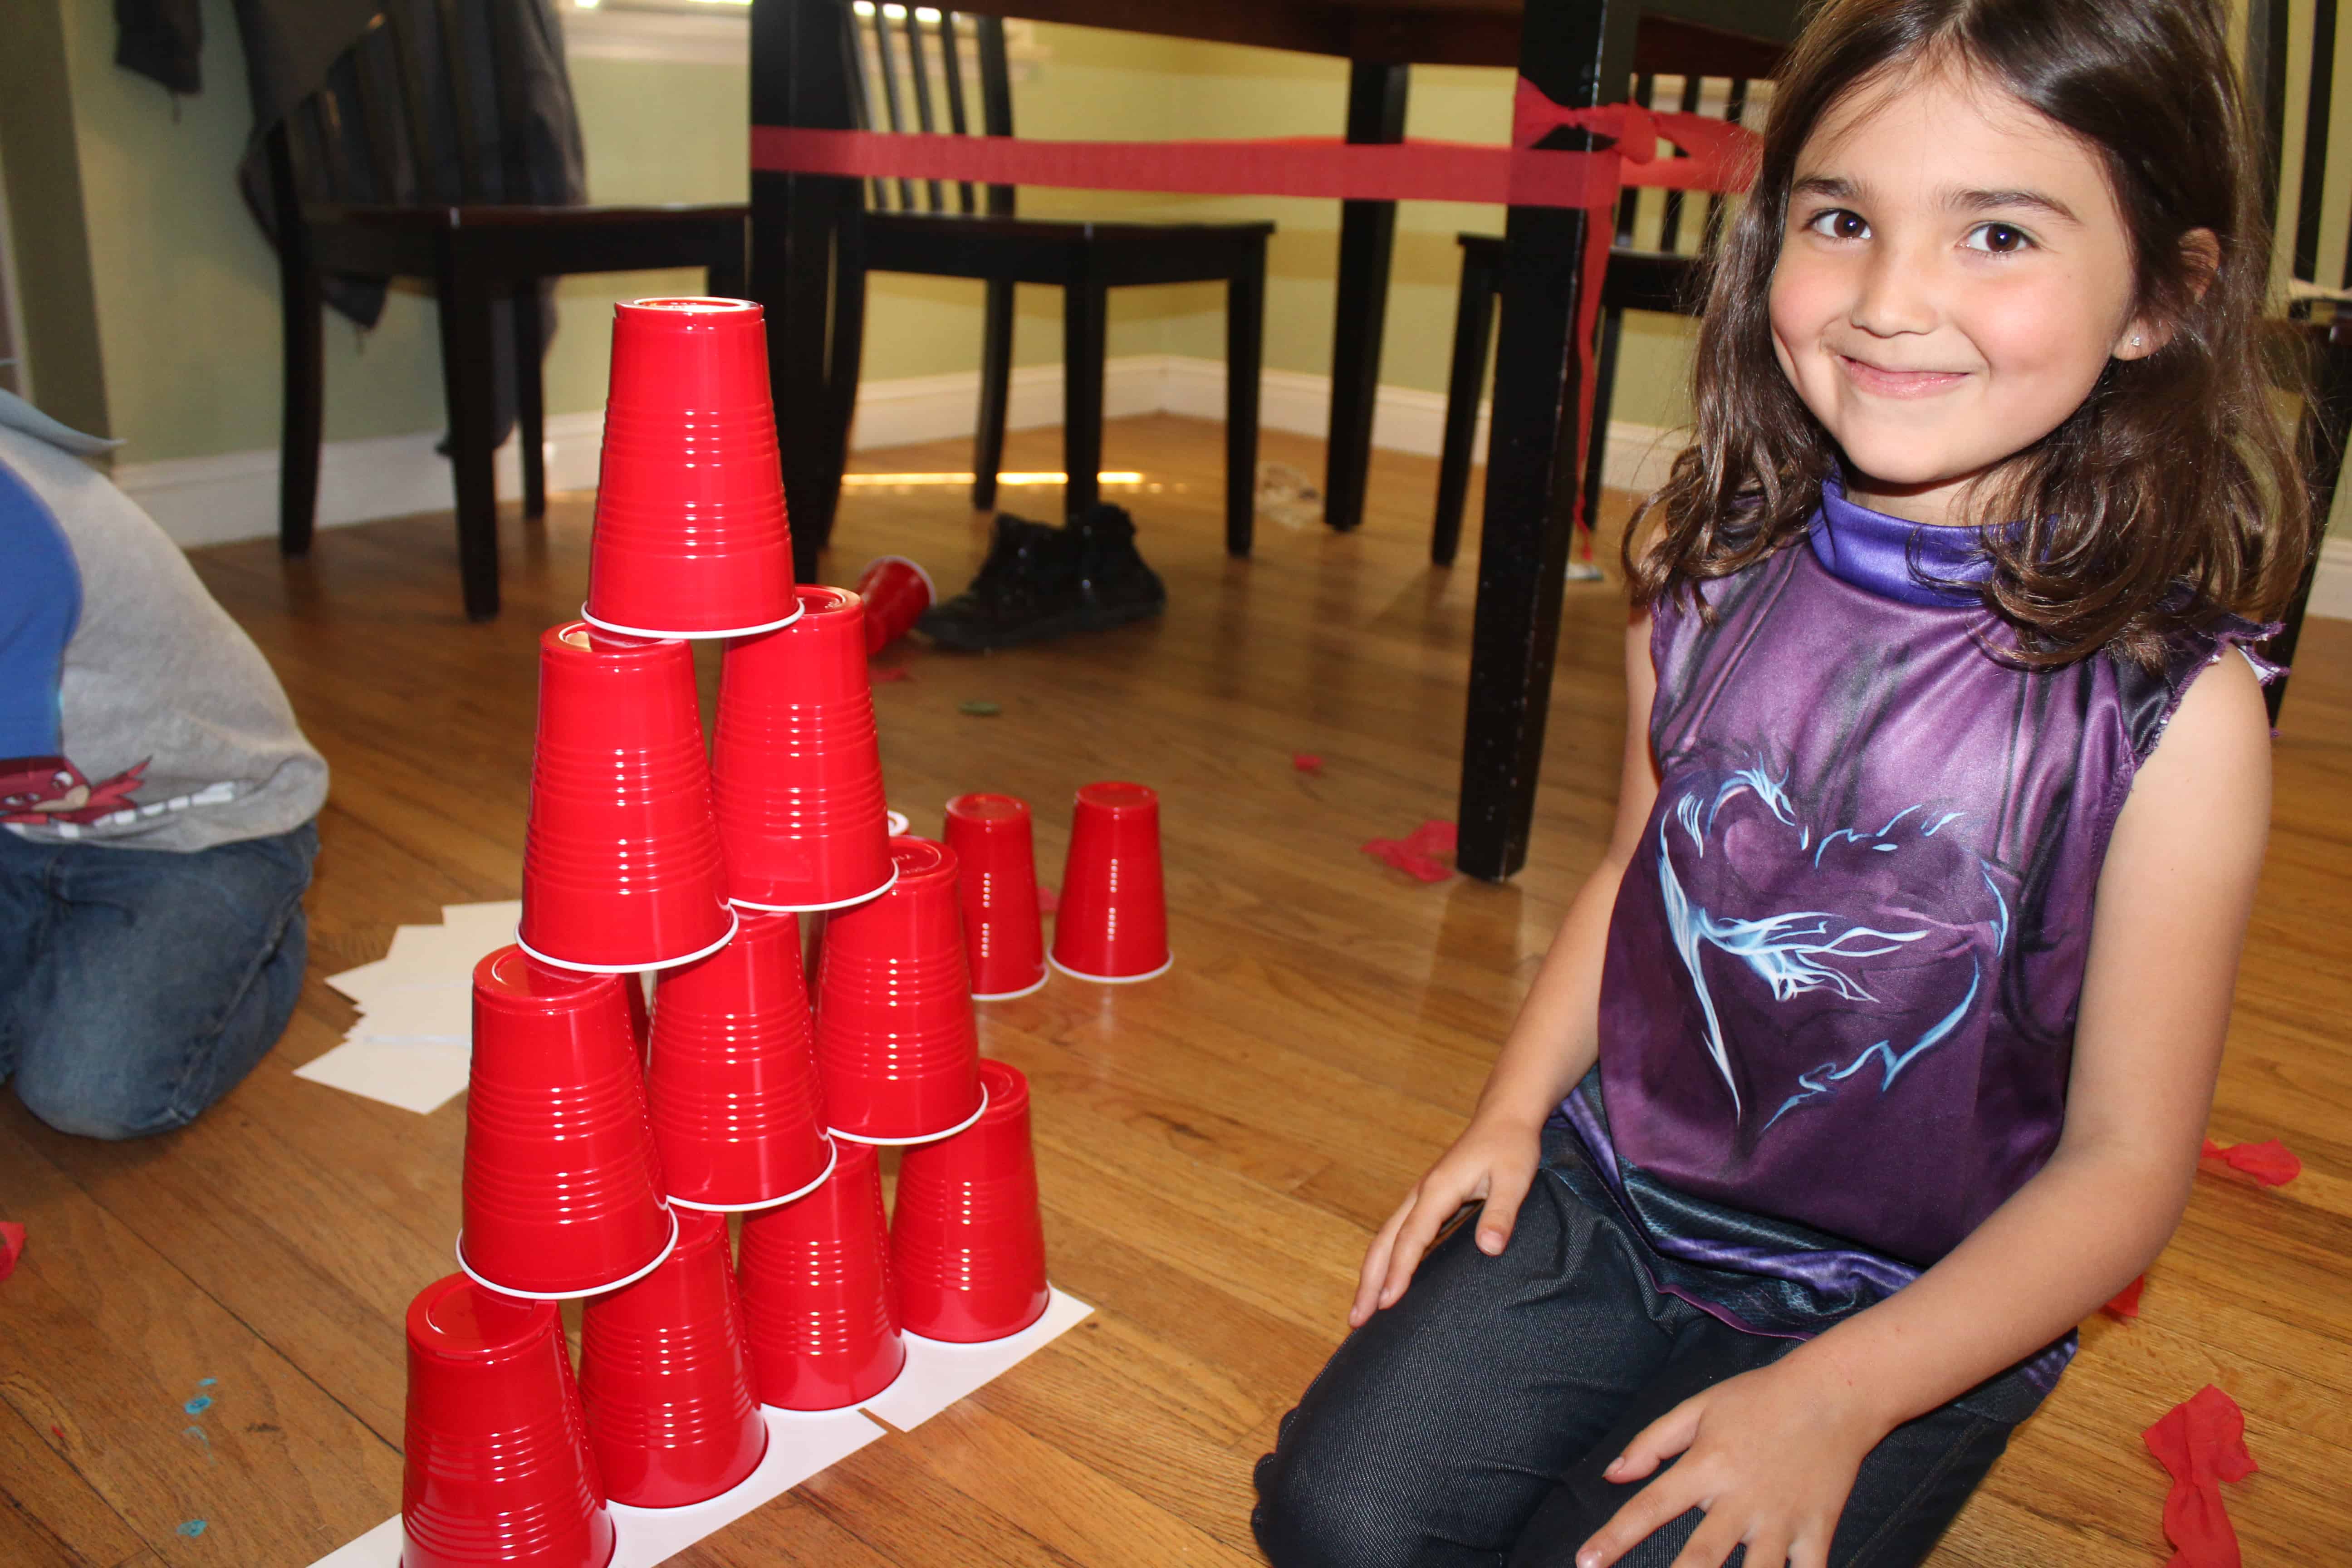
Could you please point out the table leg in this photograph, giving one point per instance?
(1569, 48)
(1367, 234)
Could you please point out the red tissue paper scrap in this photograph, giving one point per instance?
(11, 1245)
(2127, 1301)
(888, 673)
(2272, 1162)
(1307, 762)
(2201, 1443)
(1049, 898)
(1424, 853)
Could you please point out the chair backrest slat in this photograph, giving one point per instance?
(889, 75)
(2319, 90)
(376, 87)
(951, 66)
(861, 111)
(1670, 226)
(1734, 106)
(1645, 87)
(995, 99)
(920, 75)
(415, 103)
(450, 18)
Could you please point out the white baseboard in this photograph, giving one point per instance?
(234, 495)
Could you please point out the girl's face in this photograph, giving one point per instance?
(1953, 277)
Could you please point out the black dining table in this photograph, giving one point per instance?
(1576, 52)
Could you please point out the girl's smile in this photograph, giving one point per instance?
(1954, 276)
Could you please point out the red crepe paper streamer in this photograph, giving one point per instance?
(1425, 854)
(1049, 898)
(2271, 1163)
(2201, 1443)
(1307, 762)
(889, 675)
(12, 1246)
(2127, 1301)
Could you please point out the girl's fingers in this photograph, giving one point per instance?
(1768, 1548)
(1669, 1497)
(1661, 1440)
(1506, 1190)
(1376, 1263)
(1710, 1543)
(1430, 1212)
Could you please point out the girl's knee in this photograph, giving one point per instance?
(1320, 1504)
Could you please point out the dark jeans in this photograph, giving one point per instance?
(137, 986)
(1468, 1423)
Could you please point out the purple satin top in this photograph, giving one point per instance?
(1838, 1007)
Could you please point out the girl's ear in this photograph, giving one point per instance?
(2201, 258)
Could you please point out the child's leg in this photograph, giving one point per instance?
(1438, 1427)
(159, 979)
(1909, 1488)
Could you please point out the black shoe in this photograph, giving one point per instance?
(1028, 589)
(1114, 584)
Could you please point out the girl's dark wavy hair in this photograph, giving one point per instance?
(2174, 473)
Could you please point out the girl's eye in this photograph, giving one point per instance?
(1837, 222)
(1998, 240)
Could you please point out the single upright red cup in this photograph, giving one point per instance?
(817, 1293)
(497, 1467)
(562, 1187)
(737, 1113)
(1112, 925)
(897, 592)
(967, 1247)
(797, 770)
(666, 1375)
(996, 880)
(690, 538)
(897, 1045)
(621, 865)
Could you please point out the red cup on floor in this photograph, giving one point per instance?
(562, 1187)
(737, 1113)
(897, 592)
(690, 537)
(621, 866)
(497, 1467)
(967, 1248)
(1112, 925)
(817, 1294)
(666, 1376)
(897, 1045)
(798, 773)
(996, 882)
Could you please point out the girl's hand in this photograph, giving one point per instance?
(1770, 1455)
(1495, 1160)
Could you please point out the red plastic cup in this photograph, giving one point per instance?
(562, 1186)
(666, 1376)
(1112, 925)
(897, 592)
(817, 1294)
(967, 1248)
(690, 538)
(496, 1464)
(996, 874)
(798, 773)
(897, 1045)
(621, 865)
(733, 1086)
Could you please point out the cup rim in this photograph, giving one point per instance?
(733, 921)
(926, 1137)
(889, 882)
(488, 1284)
(928, 587)
(831, 1159)
(798, 609)
(1115, 979)
(1044, 973)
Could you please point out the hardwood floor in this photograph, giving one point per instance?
(1213, 1147)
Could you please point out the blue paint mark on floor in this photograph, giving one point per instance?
(198, 1406)
(194, 1527)
(206, 1382)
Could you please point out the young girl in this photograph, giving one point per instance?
(1877, 1053)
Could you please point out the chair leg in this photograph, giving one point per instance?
(995, 388)
(1085, 324)
(531, 402)
(1596, 451)
(1245, 354)
(1474, 325)
(466, 376)
(298, 461)
(845, 354)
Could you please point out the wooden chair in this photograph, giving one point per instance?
(1663, 279)
(476, 249)
(914, 227)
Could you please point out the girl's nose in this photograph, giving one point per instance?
(1896, 294)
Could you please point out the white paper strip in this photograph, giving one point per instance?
(938, 1373)
(421, 1076)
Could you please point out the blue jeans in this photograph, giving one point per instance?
(1468, 1426)
(137, 986)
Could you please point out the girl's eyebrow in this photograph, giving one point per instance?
(1838, 189)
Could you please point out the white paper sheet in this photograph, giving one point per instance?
(420, 1013)
(798, 1448)
(485, 927)
(421, 1076)
(938, 1373)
